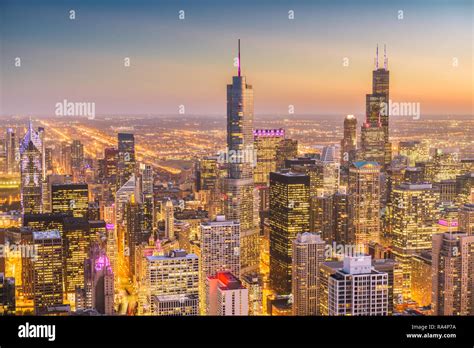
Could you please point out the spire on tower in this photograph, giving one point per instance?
(377, 58)
(385, 59)
(239, 57)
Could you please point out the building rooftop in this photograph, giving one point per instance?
(366, 165)
(42, 235)
(228, 281)
(174, 254)
(220, 223)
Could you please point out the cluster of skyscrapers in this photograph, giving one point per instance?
(372, 229)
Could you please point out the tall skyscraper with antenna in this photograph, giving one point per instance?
(240, 125)
(239, 185)
(375, 130)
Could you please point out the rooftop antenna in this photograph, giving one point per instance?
(377, 58)
(385, 59)
(239, 57)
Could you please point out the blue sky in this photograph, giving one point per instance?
(188, 62)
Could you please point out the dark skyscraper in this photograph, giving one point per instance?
(239, 125)
(126, 158)
(289, 215)
(239, 186)
(374, 133)
(77, 154)
(349, 141)
(11, 152)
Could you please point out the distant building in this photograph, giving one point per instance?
(267, 143)
(126, 161)
(349, 140)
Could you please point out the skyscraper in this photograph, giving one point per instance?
(31, 168)
(42, 136)
(453, 274)
(239, 186)
(267, 142)
(240, 125)
(342, 222)
(375, 131)
(288, 148)
(134, 234)
(148, 202)
(308, 255)
(169, 219)
(289, 215)
(364, 202)
(11, 152)
(240, 203)
(77, 239)
(110, 163)
(349, 141)
(126, 158)
(207, 174)
(415, 216)
(77, 154)
(70, 198)
(47, 271)
(220, 250)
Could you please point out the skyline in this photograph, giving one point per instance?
(172, 66)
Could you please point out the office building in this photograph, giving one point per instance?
(70, 198)
(466, 219)
(47, 270)
(125, 158)
(358, 289)
(174, 274)
(226, 296)
(289, 215)
(267, 143)
(31, 169)
(308, 255)
(453, 274)
(364, 202)
(415, 216)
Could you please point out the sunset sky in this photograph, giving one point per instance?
(190, 61)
